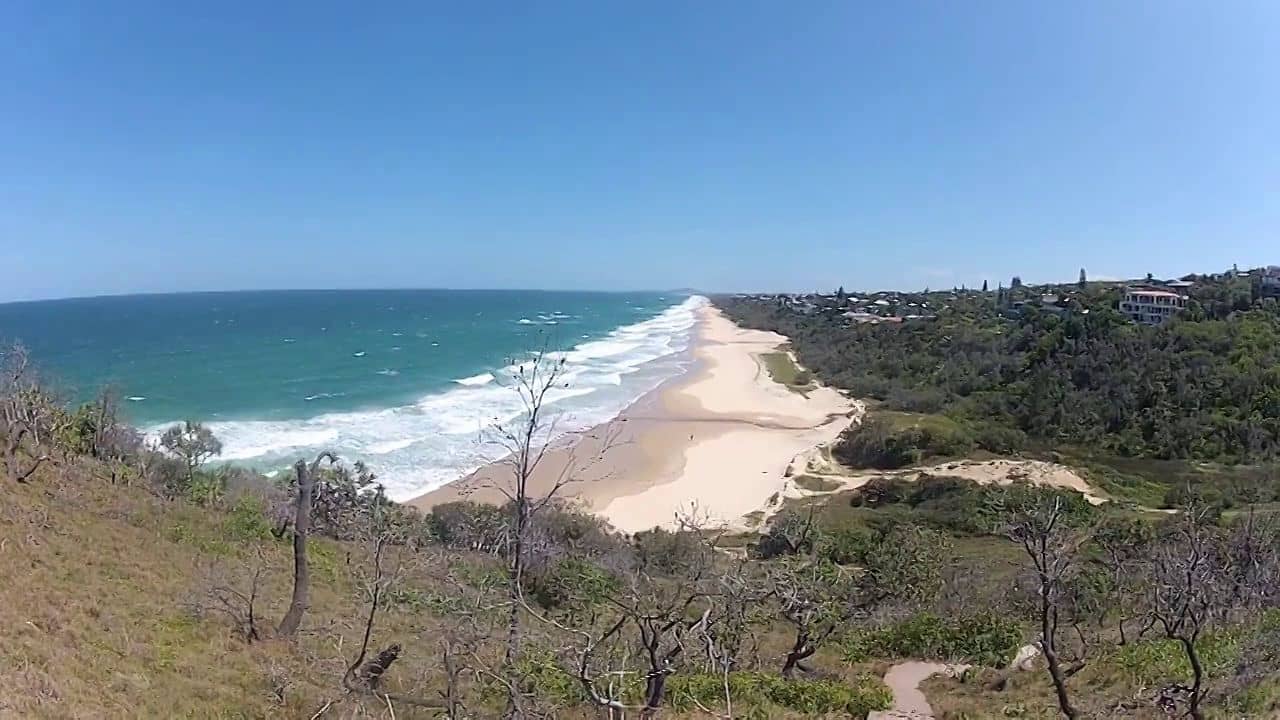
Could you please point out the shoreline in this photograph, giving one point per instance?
(714, 442)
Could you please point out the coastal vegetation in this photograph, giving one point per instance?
(1179, 418)
(1148, 410)
(179, 587)
(783, 370)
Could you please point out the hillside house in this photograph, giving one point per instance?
(1151, 306)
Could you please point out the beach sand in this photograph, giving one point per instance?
(714, 443)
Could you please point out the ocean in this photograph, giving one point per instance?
(406, 380)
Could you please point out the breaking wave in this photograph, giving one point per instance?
(444, 435)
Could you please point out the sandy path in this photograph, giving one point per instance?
(904, 680)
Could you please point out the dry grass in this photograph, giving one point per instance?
(100, 605)
(102, 617)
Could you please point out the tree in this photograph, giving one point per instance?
(984, 286)
(1083, 281)
(840, 294)
(1201, 575)
(26, 414)
(1016, 282)
(525, 443)
(1124, 544)
(847, 578)
(193, 443)
(1040, 525)
(299, 601)
(1186, 592)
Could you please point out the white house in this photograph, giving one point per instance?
(1150, 306)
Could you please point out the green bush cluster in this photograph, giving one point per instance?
(962, 506)
(571, 583)
(753, 693)
(748, 689)
(886, 445)
(984, 638)
(247, 519)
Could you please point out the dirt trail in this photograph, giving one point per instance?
(904, 680)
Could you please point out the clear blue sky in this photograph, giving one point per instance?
(147, 146)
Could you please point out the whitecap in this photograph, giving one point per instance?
(476, 380)
(397, 334)
(389, 446)
(136, 398)
(289, 340)
(525, 321)
(358, 354)
(389, 372)
(447, 434)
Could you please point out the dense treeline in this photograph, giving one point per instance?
(1205, 386)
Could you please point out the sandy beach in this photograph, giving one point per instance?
(715, 442)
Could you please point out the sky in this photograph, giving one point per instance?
(724, 146)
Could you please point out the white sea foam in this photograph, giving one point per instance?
(136, 398)
(525, 321)
(476, 380)
(444, 435)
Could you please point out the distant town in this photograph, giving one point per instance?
(1148, 301)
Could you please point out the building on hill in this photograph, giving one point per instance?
(1149, 305)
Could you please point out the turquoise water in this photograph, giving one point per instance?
(404, 379)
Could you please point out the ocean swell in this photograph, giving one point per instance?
(445, 435)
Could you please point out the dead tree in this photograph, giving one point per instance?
(237, 600)
(24, 413)
(1188, 592)
(525, 443)
(1124, 545)
(1041, 528)
(848, 582)
(306, 478)
(811, 597)
(364, 676)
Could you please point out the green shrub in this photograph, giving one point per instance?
(750, 691)
(961, 506)
(983, 638)
(548, 680)
(248, 519)
(467, 525)
(571, 584)
(899, 440)
(205, 489)
(668, 553)
(1000, 439)
(811, 697)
